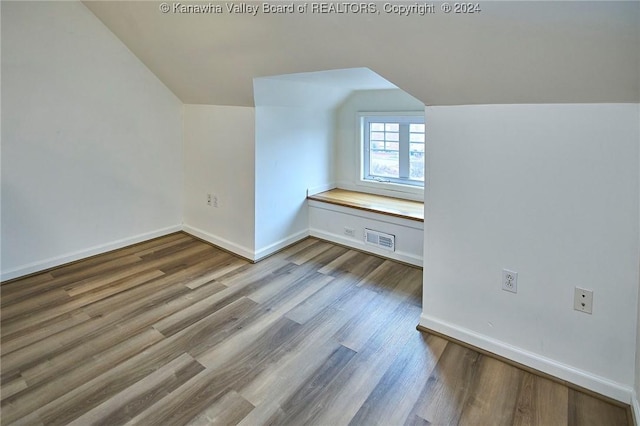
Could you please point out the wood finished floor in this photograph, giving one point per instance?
(174, 331)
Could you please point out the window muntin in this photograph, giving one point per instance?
(393, 149)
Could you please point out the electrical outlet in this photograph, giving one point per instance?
(215, 201)
(509, 281)
(349, 231)
(208, 199)
(583, 300)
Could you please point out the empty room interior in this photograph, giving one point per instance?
(321, 213)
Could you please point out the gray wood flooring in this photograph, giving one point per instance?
(174, 331)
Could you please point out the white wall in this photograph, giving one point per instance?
(347, 153)
(219, 146)
(552, 192)
(635, 403)
(293, 152)
(636, 397)
(91, 140)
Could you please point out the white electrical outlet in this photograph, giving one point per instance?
(583, 300)
(509, 281)
(349, 231)
(208, 199)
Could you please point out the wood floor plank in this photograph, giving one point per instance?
(318, 301)
(493, 399)
(136, 398)
(316, 345)
(310, 252)
(354, 267)
(392, 293)
(20, 284)
(12, 386)
(41, 301)
(541, 402)
(29, 291)
(449, 387)
(30, 399)
(274, 282)
(308, 401)
(366, 370)
(228, 410)
(265, 414)
(335, 264)
(234, 346)
(125, 374)
(410, 371)
(131, 318)
(159, 252)
(32, 285)
(228, 267)
(192, 398)
(190, 250)
(175, 331)
(152, 293)
(143, 251)
(117, 254)
(99, 342)
(13, 342)
(585, 410)
(30, 319)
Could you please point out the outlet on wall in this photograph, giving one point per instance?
(509, 281)
(583, 300)
(349, 231)
(208, 199)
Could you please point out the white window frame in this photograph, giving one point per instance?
(391, 186)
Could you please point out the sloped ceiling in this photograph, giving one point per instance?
(510, 52)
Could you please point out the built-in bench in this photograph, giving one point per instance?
(347, 217)
(406, 209)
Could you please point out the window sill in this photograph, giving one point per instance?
(391, 189)
(406, 209)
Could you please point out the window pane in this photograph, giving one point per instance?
(393, 136)
(416, 166)
(416, 137)
(384, 164)
(383, 140)
(417, 147)
(393, 146)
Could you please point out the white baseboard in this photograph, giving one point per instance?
(409, 258)
(279, 245)
(220, 242)
(41, 265)
(635, 408)
(554, 368)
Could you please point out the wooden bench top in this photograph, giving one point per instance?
(412, 210)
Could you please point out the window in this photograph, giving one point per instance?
(393, 149)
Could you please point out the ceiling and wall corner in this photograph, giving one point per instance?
(512, 52)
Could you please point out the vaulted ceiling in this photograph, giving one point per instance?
(509, 52)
